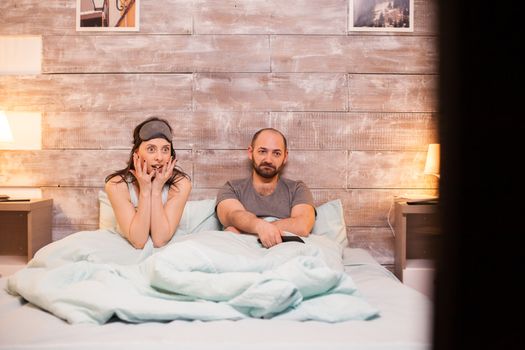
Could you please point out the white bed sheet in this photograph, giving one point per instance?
(405, 323)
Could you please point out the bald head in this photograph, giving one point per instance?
(269, 130)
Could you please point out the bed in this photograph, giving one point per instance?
(78, 300)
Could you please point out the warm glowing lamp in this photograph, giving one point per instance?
(432, 163)
(431, 168)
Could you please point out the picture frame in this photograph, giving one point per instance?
(108, 15)
(381, 15)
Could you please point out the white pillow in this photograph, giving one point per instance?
(106, 217)
(200, 215)
(330, 222)
(197, 216)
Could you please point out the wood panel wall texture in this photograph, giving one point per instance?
(359, 108)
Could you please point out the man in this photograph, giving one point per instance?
(243, 204)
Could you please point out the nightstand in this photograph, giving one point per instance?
(416, 243)
(25, 228)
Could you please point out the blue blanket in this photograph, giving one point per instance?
(92, 276)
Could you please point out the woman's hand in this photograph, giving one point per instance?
(163, 175)
(141, 173)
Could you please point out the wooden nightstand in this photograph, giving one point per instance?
(25, 227)
(416, 243)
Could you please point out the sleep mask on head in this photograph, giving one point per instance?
(155, 129)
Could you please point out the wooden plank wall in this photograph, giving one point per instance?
(359, 108)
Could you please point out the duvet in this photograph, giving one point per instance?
(95, 276)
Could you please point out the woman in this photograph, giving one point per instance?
(149, 195)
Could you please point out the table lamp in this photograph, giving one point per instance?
(431, 168)
(5, 136)
(432, 163)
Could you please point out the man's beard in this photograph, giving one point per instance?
(266, 170)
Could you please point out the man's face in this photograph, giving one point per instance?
(268, 155)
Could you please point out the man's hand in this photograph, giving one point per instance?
(268, 233)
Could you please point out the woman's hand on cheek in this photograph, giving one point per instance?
(163, 175)
(141, 172)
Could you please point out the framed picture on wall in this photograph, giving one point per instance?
(108, 15)
(381, 15)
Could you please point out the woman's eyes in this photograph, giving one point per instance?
(153, 149)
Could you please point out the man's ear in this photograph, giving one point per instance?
(250, 152)
(285, 157)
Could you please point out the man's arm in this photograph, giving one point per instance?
(231, 212)
(300, 222)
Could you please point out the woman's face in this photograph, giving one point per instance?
(156, 153)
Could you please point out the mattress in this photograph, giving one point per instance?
(404, 323)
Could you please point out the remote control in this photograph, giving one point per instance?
(287, 239)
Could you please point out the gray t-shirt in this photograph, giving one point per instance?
(279, 204)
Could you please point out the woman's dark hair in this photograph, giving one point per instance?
(127, 176)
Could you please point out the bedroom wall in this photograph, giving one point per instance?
(359, 108)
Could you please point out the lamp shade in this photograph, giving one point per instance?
(432, 163)
(5, 129)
